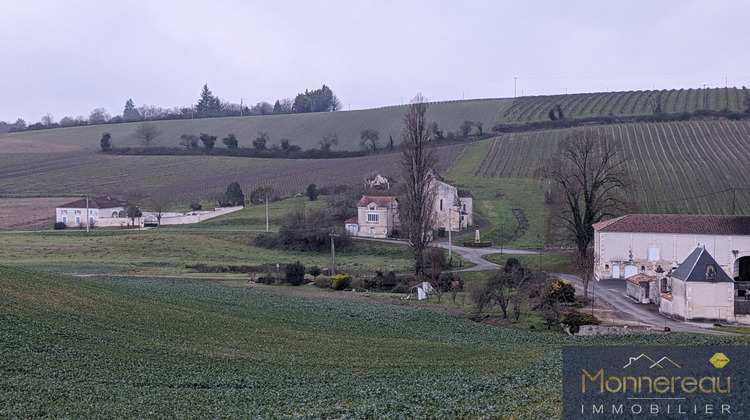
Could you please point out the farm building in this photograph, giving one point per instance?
(698, 290)
(643, 288)
(97, 211)
(376, 217)
(647, 243)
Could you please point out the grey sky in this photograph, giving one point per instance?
(69, 57)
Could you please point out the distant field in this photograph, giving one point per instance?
(583, 105)
(186, 177)
(109, 347)
(304, 130)
(29, 213)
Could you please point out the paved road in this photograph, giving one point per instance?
(475, 255)
(613, 292)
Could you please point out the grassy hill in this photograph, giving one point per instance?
(304, 130)
(109, 347)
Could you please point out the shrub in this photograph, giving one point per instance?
(574, 319)
(194, 205)
(323, 282)
(266, 240)
(340, 281)
(295, 274)
(400, 288)
(562, 291)
(60, 225)
(358, 284)
(314, 271)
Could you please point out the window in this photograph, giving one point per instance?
(65, 219)
(78, 219)
(91, 220)
(653, 254)
(77, 211)
(91, 211)
(372, 217)
(441, 204)
(63, 211)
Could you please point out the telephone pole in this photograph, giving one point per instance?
(333, 252)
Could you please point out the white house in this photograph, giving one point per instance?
(376, 217)
(698, 290)
(642, 243)
(454, 207)
(99, 211)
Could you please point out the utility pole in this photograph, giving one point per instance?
(734, 199)
(333, 252)
(266, 212)
(515, 85)
(87, 214)
(240, 107)
(450, 228)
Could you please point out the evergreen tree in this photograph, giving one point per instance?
(234, 195)
(130, 113)
(208, 105)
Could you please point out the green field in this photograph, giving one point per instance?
(135, 347)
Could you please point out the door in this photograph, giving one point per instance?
(630, 270)
(616, 271)
(372, 232)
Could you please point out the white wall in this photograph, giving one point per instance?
(614, 248)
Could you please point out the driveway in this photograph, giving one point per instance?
(474, 255)
(613, 292)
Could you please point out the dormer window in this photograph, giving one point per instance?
(710, 271)
(372, 206)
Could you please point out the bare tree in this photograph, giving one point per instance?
(328, 141)
(369, 139)
(593, 180)
(159, 204)
(465, 128)
(147, 133)
(190, 141)
(48, 120)
(416, 211)
(655, 102)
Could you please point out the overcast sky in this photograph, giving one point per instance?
(69, 57)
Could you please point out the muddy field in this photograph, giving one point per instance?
(29, 213)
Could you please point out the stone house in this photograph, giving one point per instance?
(376, 217)
(454, 207)
(97, 211)
(647, 243)
(643, 288)
(698, 290)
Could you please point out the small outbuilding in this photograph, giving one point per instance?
(698, 290)
(643, 288)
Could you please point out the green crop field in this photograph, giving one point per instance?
(108, 347)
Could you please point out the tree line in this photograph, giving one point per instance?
(208, 106)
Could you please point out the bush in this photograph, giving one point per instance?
(340, 281)
(295, 274)
(358, 284)
(574, 319)
(195, 206)
(266, 240)
(60, 225)
(314, 271)
(562, 291)
(323, 282)
(400, 288)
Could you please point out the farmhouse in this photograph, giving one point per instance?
(376, 217)
(98, 211)
(698, 290)
(650, 243)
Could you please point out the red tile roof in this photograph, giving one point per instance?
(379, 201)
(677, 224)
(95, 203)
(667, 296)
(352, 220)
(640, 277)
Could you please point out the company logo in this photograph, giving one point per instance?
(664, 359)
(694, 381)
(719, 360)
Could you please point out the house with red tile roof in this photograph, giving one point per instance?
(655, 243)
(376, 217)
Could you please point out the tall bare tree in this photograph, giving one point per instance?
(416, 211)
(147, 133)
(328, 141)
(593, 183)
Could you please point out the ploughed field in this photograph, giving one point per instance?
(105, 347)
